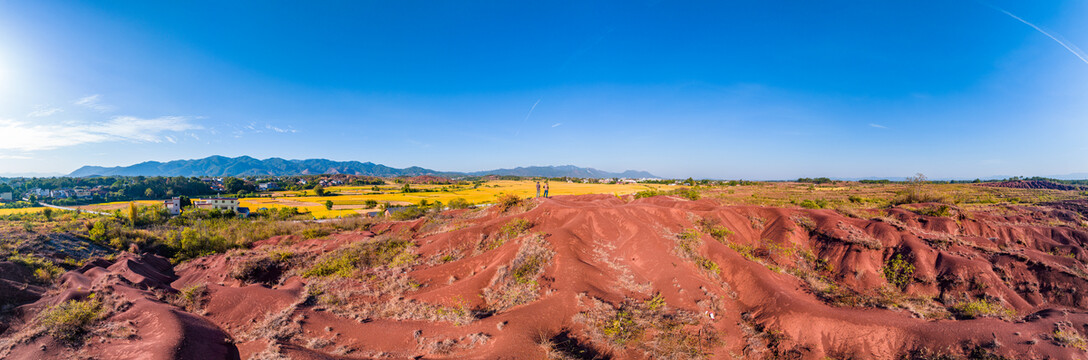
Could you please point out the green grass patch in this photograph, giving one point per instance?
(515, 228)
(45, 271)
(344, 262)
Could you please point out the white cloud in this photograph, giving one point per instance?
(93, 102)
(280, 130)
(14, 157)
(44, 112)
(23, 136)
(878, 126)
(557, 124)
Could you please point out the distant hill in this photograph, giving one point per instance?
(565, 171)
(248, 166)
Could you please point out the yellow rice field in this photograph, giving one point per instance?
(350, 199)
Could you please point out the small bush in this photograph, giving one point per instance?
(687, 193)
(459, 203)
(506, 201)
(411, 213)
(716, 231)
(813, 204)
(941, 211)
(192, 298)
(515, 228)
(655, 303)
(980, 308)
(687, 246)
(45, 271)
(899, 272)
(315, 232)
(69, 321)
(621, 328)
(1070, 337)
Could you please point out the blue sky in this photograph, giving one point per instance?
(754, 90)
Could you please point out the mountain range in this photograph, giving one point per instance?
(249, 166)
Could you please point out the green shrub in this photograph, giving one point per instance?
(716, 231)
(315, 232)
(899, 272)
(980, 308)
(687, 245)
(687, 193)
(526, 271)
(813, 204)
(515, 228)
(410, 213)
(45, 271)
(459, 203)
(1070, 337)
(647, 193)
(655, 303)
(621, 328)
(191, 244)
(69, 321)
(344, 262)
(941, 211)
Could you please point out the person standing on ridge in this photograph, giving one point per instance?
(545, 189)
(537, 188)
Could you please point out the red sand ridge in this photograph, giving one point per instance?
(1033, 184)
(598, 276)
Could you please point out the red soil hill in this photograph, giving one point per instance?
(598, 276)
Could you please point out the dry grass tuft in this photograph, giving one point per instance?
(517, 284)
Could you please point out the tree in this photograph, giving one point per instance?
(915, 184)
(406, 188)
(132, 213)
(149, 193)
(328, 204)
(459, 203)
(319, 190)
(48, 214)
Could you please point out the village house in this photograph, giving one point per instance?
(173, 206)
(81, 193)
(5, 196)
(220, 203)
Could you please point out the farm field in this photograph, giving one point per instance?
(349, 200)
(110, 206)
(853, 195)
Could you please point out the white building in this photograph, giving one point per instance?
(218, 203)
(5, 196)
(173, 206)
